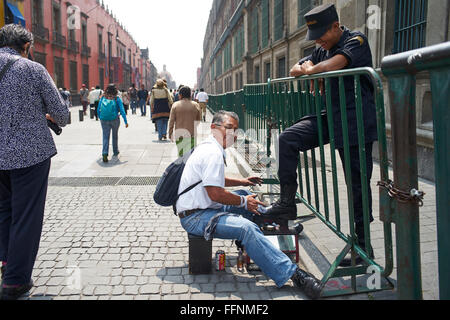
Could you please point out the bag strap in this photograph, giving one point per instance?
(184, 192)
(7, 67)
(189, 189)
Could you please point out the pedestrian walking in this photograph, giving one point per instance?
(28, 100)
(161, 102)
(133, 95)
(91, 102)
(69, 96)
(109, 109)
(177, 94)
(142, 100)
(202, 99)
(126, 101)
(84, 95)
(184, 117)
(94, 99)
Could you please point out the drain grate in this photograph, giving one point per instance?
(103, 181)
(139, 181)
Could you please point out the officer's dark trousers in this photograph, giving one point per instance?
(22, 202)
(304, 136)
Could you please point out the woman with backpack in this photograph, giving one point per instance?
(109, 108)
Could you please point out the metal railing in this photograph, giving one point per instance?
(85, 50)
(40, 32)
(73, 46)
(270, 108)
(59, 40)
(401, 71)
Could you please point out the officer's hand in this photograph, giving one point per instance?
(296, 71)
(307, 67)
(253, 203)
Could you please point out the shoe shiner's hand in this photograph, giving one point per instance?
(252, 181)
(253, 204)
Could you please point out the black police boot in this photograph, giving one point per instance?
(309, 284)
(285, 207)
(347, 262)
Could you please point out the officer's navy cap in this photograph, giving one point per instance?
(319, 20)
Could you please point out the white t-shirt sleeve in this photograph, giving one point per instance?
(213, 173)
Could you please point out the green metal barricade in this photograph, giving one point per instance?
(271, 108)
(401, 70)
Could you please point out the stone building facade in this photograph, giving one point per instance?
(249, 41)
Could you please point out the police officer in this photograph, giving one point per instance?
(339, 48)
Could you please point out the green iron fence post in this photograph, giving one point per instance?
(440, 83)
(401, 69)
(403, 114)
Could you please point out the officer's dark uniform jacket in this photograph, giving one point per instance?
(355, 47)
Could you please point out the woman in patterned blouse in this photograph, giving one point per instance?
(28, 98)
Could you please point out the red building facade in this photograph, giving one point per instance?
(81, 42)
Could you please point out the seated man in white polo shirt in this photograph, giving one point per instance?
(211, 211)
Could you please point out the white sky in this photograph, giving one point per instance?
(173, 30)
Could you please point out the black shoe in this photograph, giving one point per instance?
(105, 159)
(297, 229)
(15, 292)
(347, 262)
(285, 208)
(309, 284)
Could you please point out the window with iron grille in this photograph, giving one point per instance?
(40, 58)
(37, 13)
(257, 74)
(304, 6)
(59, 72)
(254, 38)
(265, 30)
(410, 24)
(267, 71)
(101, 72)
(86, 75)
(227, 56)
(73, 69)
(239, 45)
(281, 67)
(278, 20)
(56, 17)
(219, 65)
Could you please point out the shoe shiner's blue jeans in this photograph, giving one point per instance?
(236, 224)
(108, 127)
